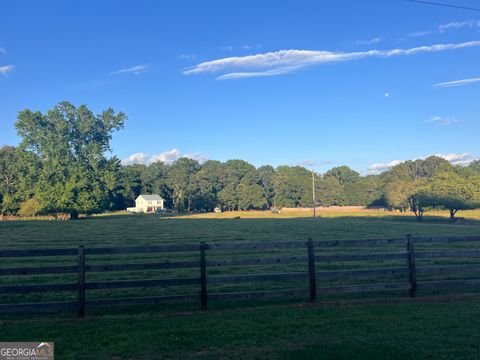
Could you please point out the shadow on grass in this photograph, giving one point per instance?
(325, 217)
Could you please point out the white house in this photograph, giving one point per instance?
(147, 204)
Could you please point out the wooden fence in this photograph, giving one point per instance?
(311, 258)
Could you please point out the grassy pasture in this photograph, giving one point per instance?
(411, 330)
(280, 329)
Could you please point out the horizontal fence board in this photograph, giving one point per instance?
(38, 252)
(141, 249)
(142, 266)
(448, 254)
(216, 248)
(142, 300)
(257, 277)
(361, 272)
(21, 289)
(257, 261)
(257, 294)
(359, 242)
(140, 283)
(445, 239)
(449, 283)
(39, 270)
(257, 246)
(363, 288)
(447, 269)
(385, 256)
(36, 307)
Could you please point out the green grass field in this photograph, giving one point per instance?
(438, 325)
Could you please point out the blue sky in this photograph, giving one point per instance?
(320, 83)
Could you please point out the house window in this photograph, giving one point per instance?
(149, 203)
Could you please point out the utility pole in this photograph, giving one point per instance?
(313, 194)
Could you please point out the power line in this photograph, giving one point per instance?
(444, 5)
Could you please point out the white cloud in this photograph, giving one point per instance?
(226, 48)
(272, 72)
(197, 157)
(311, 163)
(188, 57)
(386, 94)
(462, 159)
(137, 70)
(6, 69)
(441, 120)
(306, 163)
(286, 61)
(458, 159)
(458, 25)
(368, 42)
(167, 157)
(380, 167)
(417, 34)
(462, 82)
(2, 50)
(137, 158)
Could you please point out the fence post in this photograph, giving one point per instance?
(203, 276)
(312, 276)
(412, 271)
(81, 281)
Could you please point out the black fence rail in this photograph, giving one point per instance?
(313, 256)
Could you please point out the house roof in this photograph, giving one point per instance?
(151, 197)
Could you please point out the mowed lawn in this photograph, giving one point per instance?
(125, 229)
(431, 327)
(416, 330)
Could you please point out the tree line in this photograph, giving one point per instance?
(61, 166)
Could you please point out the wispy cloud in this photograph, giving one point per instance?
(137, 70)
(458, 25)
(368, 42)
(458, 159)
(271, 72)
(4, 70)
(417, 34)
(462, 159)
(2, 50)
(380, 167)
(306, 163)
(167, 157)
(443, 28)
(188, 57)
(311, 163)
(137, 158)
(441, 120)
(286, 61)
(462, 82)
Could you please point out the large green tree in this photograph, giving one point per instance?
(267, 178)
(181, 180)
(209, 181)
(235, 171)
(69, 144)
(343, 174)
(155, 181)
(9, 179)
(450, 191)
(398, 192)
(293, 186)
